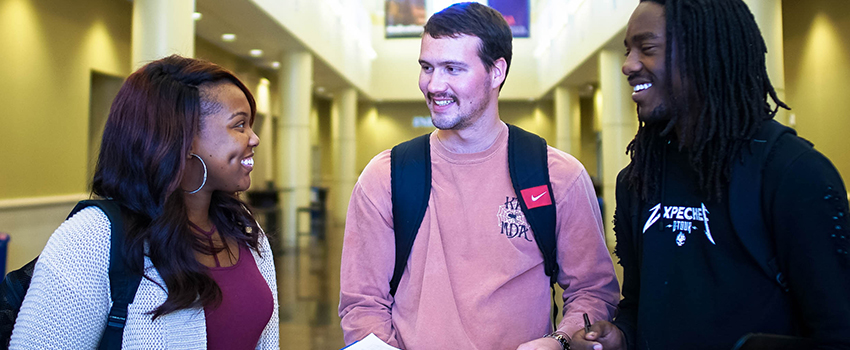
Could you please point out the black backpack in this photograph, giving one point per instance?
(122, 283)
(745, 197)
(410, 164)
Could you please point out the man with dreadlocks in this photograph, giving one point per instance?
(701, 88)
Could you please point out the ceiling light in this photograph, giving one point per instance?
(256, 53)
(276, 64)
(228, 37)
(320, 89)
(197, 16)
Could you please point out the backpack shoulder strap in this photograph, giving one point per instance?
(745, 199)
(528, 163)
(410, 173)
(123, 283)
(410, 164)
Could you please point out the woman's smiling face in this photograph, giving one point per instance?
(226, 140)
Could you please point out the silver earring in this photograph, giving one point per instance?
(205, 174)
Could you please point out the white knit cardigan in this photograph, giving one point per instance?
(68, 301)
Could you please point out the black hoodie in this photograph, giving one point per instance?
(689, 283)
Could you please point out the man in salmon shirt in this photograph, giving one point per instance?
(469, 284)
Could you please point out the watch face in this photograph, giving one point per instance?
(565, 343)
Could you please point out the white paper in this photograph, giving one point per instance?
(371, 342)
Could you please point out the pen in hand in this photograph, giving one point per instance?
(586, 323)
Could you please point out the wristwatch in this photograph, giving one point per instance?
(561, 337)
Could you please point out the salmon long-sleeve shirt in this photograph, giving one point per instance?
(475, 276)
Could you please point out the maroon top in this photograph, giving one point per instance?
(246, 304)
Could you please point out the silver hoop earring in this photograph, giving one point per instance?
(205, 174)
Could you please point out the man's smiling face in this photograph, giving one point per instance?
(458, 88)
(646, 46)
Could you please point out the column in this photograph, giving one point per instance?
(568, 120)
(343, 150)
(293, 144)
(343, 156)
(768, 14)
(264, 161)
(619, 125)
(162, 28)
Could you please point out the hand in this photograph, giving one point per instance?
(603, 336)
(541, 344)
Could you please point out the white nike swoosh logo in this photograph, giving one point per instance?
(535, 198)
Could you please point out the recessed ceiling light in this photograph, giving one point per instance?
(228, 37)
(320, 89)
(275, 64)
(256, 53)
(197, 16)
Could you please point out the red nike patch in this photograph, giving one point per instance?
(536, 196)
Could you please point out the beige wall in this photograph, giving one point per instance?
(49, 49)
(46, 68)
(48, 54)
(579, 29)
(381, 126)
(817, 69)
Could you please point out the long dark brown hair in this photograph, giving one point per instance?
(720, 57)
(143, 155)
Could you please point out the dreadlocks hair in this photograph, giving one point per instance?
(720, 57)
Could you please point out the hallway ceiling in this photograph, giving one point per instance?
(255, 29)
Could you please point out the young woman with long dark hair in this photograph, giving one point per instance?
(177, 149)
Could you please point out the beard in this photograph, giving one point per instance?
(448, 125)
(465, 116)
(458, 122)
(660, 114)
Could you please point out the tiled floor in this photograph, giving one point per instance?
(308, 287)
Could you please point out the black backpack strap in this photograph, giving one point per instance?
(410, 173)
(123, 283)
(745, 199)
(528, 163)
(12, 291)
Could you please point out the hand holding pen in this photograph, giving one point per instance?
(602, 335)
